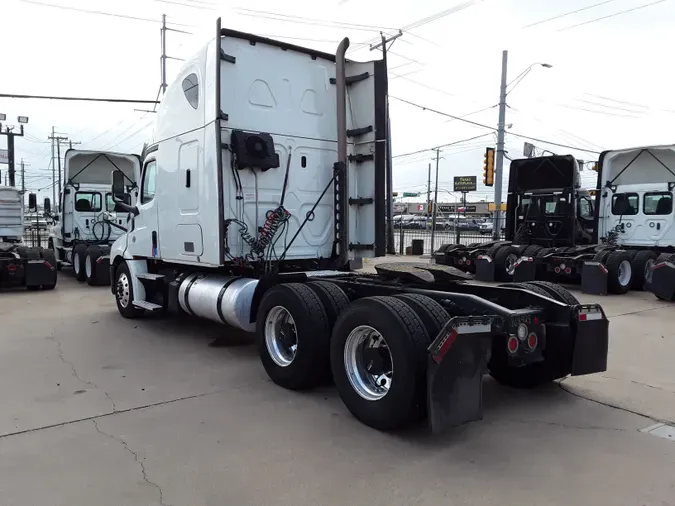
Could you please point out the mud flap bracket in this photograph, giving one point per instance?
(457, 360)
(525, 269)
(594, 278)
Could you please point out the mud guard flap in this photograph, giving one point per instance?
(457, 360)
(485, 268)
(663, 281)
(594, 278)
(39, 272)
(103, 270)
(591, 342)
(525, 270)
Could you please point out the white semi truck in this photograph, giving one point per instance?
(263, 186)
(20, 265)
(88, 221)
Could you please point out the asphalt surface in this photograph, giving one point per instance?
(99, 410)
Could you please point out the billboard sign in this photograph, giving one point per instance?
(4, 156)
(465, 183)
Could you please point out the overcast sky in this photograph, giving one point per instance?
(610, 85)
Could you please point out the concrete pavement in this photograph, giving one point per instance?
(102, 410)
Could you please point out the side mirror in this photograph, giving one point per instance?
(47, 206)
(117, 183)
(32, 202)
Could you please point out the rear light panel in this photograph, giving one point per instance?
(590, 313)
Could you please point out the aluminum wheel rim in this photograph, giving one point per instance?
(648, 270)
(625, 272)
(511, 263)
(360, 341)
(123, 290)
(281, 336)
(76, 263)
(87, 266)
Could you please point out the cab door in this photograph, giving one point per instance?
(144, 238)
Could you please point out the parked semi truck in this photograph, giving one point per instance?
(88, 221)
(263, 186)
(20, 265)
(546, 210)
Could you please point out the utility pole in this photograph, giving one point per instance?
(53, 170)
(57, 139)
(23, 179)
(429, 189)
(390, 189)
(10, 133)
(501, 126)
(433, 219)
(163, 57)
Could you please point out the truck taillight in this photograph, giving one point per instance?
(512, 344)
(532, 341)
(590, 313)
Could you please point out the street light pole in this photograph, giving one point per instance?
(435, 207)
(499, 162)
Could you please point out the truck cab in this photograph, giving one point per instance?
(89, 220)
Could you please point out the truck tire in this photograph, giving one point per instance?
(48, 256)
(333, 298)
(619, 272)
(364, 374)
(430, 312)
(91, 255)
(505, 259)
(602, 255)
(557, 292)
(293, 336)
(527, 286)
(532, 250)
(79, 252)
(124, 293)
(642, 264)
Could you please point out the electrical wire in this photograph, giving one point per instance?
(284, 18)
(441, 146)
(440, 15)
(650, 4)
(567, 14)
(81, 99)
(489, 127)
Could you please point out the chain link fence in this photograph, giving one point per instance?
(464, 232)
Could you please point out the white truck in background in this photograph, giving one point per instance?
(20, 265)
(263, 186)
(88, 221)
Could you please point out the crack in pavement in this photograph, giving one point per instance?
(137, 459)
(638, 383)
(638, 311)
(566, 426)
(609, 405)
(59, 349)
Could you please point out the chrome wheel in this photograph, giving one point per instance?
(123, 290)
(368, 363)
(648, 270)
(625, 273)
(87, 266)
(281, 336)
(511, 264)
(76, 263)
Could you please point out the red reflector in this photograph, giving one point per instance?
(557, 270)
(535, 320)
(568, 271)
(582, 317)
(447, 344)
(603, 268)
(468, 262)
(99, 260)
(11, 267)
(658, 266)
(532, 341)
(512, 344)
(50, 266)
(460, 261)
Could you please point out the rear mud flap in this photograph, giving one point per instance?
(485, 268)
(458, 359)
(594, 278)
(39, 272)
(525, 270)
(103, 270)
(591, 342)
(663, 281)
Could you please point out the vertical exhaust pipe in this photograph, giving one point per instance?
(341, 184)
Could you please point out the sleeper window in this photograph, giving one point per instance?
(191, 90)
(658, 203)
(88, 202)
(630, 200)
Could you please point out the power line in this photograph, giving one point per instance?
(100, 13)
(441, 14)
(286, 18)
(441, 146)
(81, 99)
(612, 15)
(568, 13)
(491, 128)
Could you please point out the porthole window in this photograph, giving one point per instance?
(191, 90)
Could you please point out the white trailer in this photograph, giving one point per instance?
(20, 265)
(263, 185)
(88, 221)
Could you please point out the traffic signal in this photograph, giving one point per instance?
(430, 208)
(489, 167)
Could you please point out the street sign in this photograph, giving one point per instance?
(409, 194)
(4, 156)
(447, 208)
(465, 183)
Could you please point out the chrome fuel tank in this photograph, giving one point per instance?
(219, 298)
